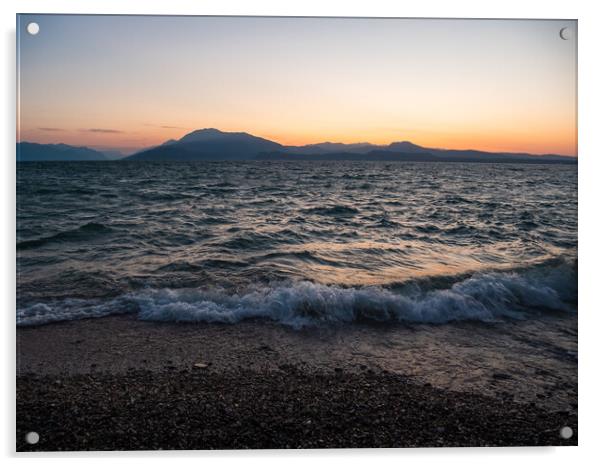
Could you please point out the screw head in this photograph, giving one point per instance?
(566, 433)
(32, 438)
(33, 28)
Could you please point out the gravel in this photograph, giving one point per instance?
(288, 407)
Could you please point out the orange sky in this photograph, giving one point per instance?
(133, 82)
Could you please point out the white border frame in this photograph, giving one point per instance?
(590, 163)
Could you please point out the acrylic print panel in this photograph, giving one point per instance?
(254, 232)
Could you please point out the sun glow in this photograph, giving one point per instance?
(488, 85)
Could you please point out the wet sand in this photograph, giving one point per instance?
(119, 383)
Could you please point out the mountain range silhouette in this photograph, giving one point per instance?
(213, 144)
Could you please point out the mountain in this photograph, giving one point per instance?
(406, 151)
(374, 156)
(332, 147)
(405, 147)
(408, 148)
(169, 141)
(213, 144)
(112, 154)
(33, 152)
(438, 155)
(209, 144)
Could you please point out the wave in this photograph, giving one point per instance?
(484, 297)
(85, 232)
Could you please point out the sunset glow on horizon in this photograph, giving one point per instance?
(128, 82)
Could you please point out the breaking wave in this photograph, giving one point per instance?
(485, 297)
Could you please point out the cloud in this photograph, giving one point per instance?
(51, 129)
(101, 130)
(165, 126)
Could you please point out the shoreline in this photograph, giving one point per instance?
(121, 383)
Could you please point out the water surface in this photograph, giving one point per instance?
(301, 243)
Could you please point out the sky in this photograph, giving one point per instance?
(129, 82)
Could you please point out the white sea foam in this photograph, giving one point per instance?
(483, 297)
(72, 309)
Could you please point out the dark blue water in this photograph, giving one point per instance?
(300, 243)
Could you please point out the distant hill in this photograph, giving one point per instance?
(408, 148)
(209, 144)
(402, 151)
(375, 155)
(333, 147)
(436, 156)
(33, 152)
(213, 144)
(111, 154)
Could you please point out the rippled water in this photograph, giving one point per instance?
(300, 243)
